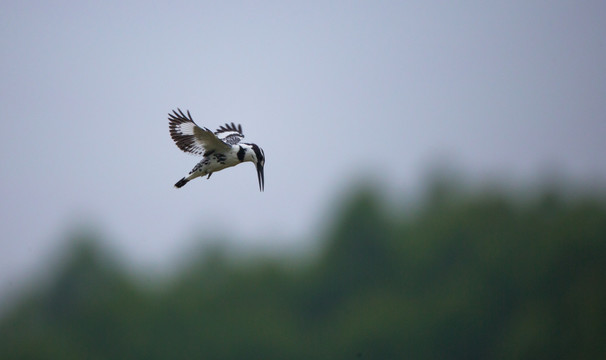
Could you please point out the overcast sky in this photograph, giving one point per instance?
(334, 92)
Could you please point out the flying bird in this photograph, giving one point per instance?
(220, 150)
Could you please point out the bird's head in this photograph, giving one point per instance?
(259, 159)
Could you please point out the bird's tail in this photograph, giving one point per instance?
(181, 182)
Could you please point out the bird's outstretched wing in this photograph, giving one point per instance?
(191, 138)
(230, 133)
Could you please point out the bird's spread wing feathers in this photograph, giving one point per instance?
(230, 133)
(191, 138)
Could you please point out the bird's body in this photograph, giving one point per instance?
(220, 150)
(219, 161)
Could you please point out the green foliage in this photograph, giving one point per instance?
(467, 276)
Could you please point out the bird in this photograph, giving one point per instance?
(222, 149)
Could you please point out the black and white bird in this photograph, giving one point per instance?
(220, 150)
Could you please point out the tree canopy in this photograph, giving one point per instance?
(476, 275)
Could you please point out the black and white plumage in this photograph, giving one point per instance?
(220, 150)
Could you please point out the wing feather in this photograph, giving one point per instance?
(191, 138)
(230, 133)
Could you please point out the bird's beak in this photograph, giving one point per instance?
(261, 177)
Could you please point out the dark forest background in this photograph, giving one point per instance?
(489, 274)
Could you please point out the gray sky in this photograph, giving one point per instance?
(333, 91)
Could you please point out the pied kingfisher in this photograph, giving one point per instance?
(221, 149)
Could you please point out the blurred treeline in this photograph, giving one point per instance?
(484, 275)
